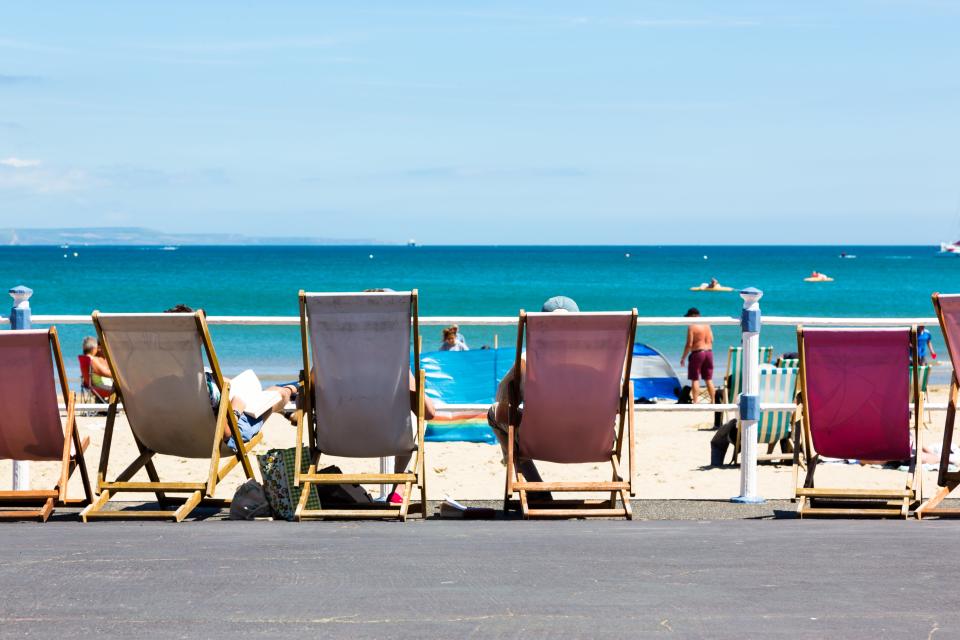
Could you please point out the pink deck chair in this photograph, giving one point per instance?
(948, 312)
(577, 401)
(856, 397)
(31, 364)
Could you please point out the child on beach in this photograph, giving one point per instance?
(453, 340)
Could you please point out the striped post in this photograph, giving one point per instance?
(749, 400)
(19, 320)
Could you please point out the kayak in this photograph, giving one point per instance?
(821, 279)
(704, 287)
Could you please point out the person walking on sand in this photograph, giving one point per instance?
(699, 347)
(924, 345)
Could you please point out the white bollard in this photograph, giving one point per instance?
(386, 466)
(20, 319)
(749, 399)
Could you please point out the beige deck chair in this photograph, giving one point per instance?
(30, 424)
(158, 375)
(577, 407)
(356, 403)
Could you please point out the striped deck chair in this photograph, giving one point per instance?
(924, 373)
(577, 403)
(857, 404)
(30, 423)
(947, 307)
(788, 363)
(357, 395)
(777, 386)
(157, 361)
(733, 380)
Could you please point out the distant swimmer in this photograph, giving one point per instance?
(816, 276)
(713, 285)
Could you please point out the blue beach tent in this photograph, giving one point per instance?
(652, 375)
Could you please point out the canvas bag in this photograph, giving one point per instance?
(277, 470)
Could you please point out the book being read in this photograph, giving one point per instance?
(247, 387)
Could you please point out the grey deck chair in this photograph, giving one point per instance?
(158, 375)
(356, 399)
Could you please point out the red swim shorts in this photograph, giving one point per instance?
(700, 365)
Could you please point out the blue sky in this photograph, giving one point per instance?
(498, 122)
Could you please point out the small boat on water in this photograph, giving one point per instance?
(950, 248)
(847, 256)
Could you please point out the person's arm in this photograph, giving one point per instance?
(429, 410)
(100, 367)
(688, 345)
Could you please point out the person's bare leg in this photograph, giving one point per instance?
(694, 391)
(712, 391)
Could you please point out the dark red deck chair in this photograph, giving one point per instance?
(577, 401)
(856, 404)
(948, 311)
(87, 388)
(30, 426)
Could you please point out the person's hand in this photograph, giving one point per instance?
(681, 361)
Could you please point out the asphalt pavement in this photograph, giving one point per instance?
(769, 577)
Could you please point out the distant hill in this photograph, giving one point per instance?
(142, 236)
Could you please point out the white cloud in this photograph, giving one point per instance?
(19, 163)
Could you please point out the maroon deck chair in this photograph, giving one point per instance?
(856, 404)
(30, 424)
(948, 312)
(577, 400)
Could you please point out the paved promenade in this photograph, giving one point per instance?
(502, 579)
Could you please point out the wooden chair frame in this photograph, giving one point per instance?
(199, 493)
(947, 480)
(617, 486)
(854, 502)
(27, 504)
(307, 419)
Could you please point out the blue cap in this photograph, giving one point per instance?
(560, 303)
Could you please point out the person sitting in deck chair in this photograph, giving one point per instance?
(249, 426)
(100, 375)
(498, 414)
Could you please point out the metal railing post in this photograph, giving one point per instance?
(749, 400)
(20, 320)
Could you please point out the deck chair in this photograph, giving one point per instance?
(30, 424)
(948, 311)
(924, 372)
(158, 375)
(89, 392)
(577, 402)
(777, 386)
(356, 402)
(788, 363)
(857, 404)
(733, 379)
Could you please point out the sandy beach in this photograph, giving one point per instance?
(673, 451)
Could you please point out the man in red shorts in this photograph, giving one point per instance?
(700, 349)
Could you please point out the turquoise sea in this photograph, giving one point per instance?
(264, 280)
